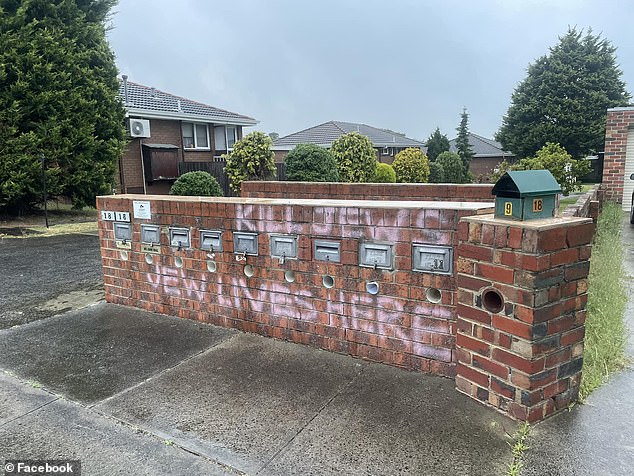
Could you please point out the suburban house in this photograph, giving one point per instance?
(387, 143)
(487, 155)
(171, 135)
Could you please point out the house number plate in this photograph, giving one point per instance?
(115, 216)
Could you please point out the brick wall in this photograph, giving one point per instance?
(399, 326)
(368, 191)
(618, 123)
(525, 357)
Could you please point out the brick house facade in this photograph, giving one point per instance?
(180, 130)
(619, 124)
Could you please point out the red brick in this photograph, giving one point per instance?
(568, 256)
(473, 314)
(573, 336)
(513, 326)
(580, 235)
(495, 273)
(482, 253)
(517, 362)
(473, 375)
(515, 237)
(473, 344)
(491, 367)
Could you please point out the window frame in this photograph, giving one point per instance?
(235, 128)
(193, 125)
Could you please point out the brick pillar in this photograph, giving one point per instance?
(524, 354)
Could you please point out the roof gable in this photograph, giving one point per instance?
(325, 134)
(143, 99)
(526, 183)
(482, 147)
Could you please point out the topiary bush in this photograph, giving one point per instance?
(251, 159)
(311, 163)
(436, 173)
(355, 156)
(384, 173)
(197, 184)
(411, 166)
(453, 167)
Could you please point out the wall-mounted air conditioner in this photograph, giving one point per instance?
(139, 128)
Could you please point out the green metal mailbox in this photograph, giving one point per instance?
(526, 195)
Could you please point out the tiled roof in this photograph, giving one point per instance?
(143, 99)
(482, 147)
(325, 134)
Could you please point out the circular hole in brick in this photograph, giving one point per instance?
(328, 281)
(492, 300)
(248, 270)
(289, 276)
(211, 266)
(124, 255)
(178, 262)
(372, 287)
(149, 259)
(433, 295)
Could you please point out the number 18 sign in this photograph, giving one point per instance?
(115, 216)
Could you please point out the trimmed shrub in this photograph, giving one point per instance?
(355, 156)
(384, 173)
(311, 163)
(436, 173)
(251, 159)
(453, 167)
(411, 166)
(196, 184)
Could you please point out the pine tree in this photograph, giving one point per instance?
(463, 146)
(564, 98)
(58, 101)
(436, 144)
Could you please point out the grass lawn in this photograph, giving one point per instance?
(606, 333)
(61, 217)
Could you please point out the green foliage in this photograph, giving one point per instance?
(311, 163)
(564, 98)
(411, 166)
(463, 146)
(564, 168)
(606, 332)
(500, 170)
(453, 168)
(436, 144)
(436, 173)
(196, 184)
(251, 159)
(58, 100)
(355, 156)
(385, 173)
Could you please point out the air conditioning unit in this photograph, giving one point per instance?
(139, 128)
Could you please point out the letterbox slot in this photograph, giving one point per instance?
(122, 231)
(327, 251)
(179, 237)
(211, 238)
(376, 255)
(284, 246)
(432, 259)
(245, 243)
(150, 234)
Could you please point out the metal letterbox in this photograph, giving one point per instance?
(284, 246)
(122, 231)
(150, 234)
(376, 255)
(211, 240)
(245, 243)
(526, 195)
(179, 237)
(326, 250)
(432, 259)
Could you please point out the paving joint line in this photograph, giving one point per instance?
(317, 413)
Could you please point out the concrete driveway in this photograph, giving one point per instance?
(130, 392)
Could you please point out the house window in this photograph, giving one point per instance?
(220, 138)
(232, 136)
(195, 136)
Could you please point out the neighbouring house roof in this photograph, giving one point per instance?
(152, 103)
(325, 134)
(483, 147)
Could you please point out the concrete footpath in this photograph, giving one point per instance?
(596, 438)
(129, 392)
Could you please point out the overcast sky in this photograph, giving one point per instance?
(405, 65)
